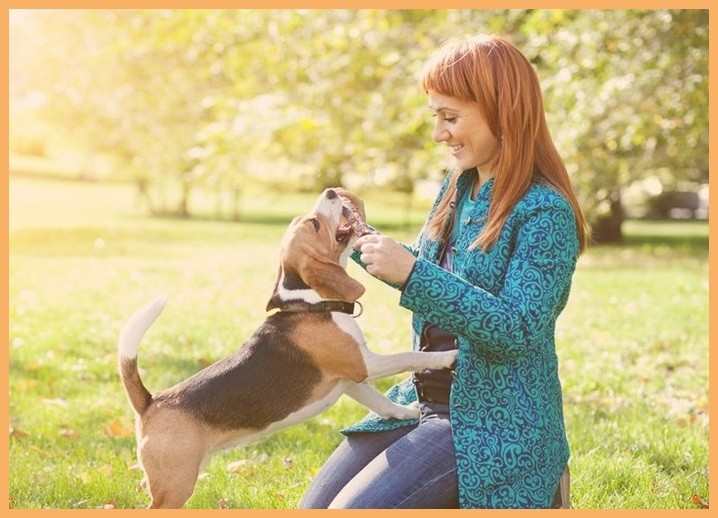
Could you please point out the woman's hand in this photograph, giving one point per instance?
(385, 258)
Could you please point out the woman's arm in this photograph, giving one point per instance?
(390, 250)
(397, 252)
(535, 287)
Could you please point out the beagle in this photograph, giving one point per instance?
(297, 363)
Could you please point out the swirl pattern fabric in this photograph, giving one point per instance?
(506, 402)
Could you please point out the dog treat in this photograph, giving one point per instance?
(354, 216)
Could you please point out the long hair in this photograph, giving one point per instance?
(492, 73)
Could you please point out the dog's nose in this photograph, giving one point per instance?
(331, 194)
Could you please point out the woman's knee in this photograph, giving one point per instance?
(350, 457)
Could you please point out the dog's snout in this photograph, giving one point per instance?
(331, 194)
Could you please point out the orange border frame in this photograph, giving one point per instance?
(379, 4)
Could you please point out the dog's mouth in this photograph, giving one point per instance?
(345, 231)
(354, 224)
(348, 228)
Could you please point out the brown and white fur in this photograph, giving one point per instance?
(294, 366)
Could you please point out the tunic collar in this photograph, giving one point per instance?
(465, 182)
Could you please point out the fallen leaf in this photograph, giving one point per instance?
(17, 434)
(118, 430)
(69, 433)
(697, 500)
(241, 466)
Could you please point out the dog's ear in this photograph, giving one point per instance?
(274, 300)
(330, 280)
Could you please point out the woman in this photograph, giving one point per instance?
(489, 275)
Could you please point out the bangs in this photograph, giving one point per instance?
(454, 70)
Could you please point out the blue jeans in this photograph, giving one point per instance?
(409, 468)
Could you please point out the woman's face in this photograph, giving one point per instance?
(463, 128)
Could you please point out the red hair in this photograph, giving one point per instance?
(497, 77)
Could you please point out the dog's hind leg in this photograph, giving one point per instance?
(172, 460)
(172, 494)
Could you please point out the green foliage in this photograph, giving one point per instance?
(632, 347)
(216, 100)
(626, 95)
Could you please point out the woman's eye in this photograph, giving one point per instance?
(445, 118)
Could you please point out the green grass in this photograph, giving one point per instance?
(632, 344)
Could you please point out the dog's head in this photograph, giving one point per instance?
(315, 249)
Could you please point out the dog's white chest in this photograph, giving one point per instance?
(347, 324)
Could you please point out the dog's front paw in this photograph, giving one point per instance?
(402, 412)
(442, 360)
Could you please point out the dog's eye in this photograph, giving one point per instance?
(315, 222)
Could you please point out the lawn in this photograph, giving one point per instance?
(632, 345)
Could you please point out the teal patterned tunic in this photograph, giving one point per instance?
(506, 406)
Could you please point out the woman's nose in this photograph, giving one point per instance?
(440, 133)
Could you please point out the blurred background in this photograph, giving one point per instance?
(193, 107)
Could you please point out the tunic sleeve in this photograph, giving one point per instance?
(534, 291)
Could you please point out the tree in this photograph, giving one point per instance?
(213, 99)
(160, 89)
(626, 92)
(352, 103)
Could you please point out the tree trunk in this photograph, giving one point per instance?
(236, 205)
(607, 228)
(183, 207)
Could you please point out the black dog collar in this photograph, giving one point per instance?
(325, 306)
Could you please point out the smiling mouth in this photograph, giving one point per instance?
(456, 149)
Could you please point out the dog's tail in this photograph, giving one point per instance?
(129, 343)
